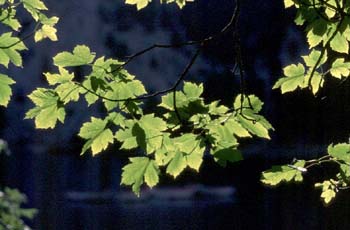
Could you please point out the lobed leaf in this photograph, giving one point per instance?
(81, 56)
(140, 169)
(48, 109)
(294, 78)
(283, 173)
(9, 47)
(340, 68)
(97, 134)
(5, 89)
(328, 190)
(340, 151)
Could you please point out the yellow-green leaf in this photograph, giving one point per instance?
(81, 56)
(5, 89)
(98, 136)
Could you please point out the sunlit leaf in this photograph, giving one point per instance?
(283, 173)
(340, 151)
(138, 171)
(81, 56)
(5, 89)
(97, 134)
(48, 108)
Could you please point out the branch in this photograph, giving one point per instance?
(22, 39)
(201, 42)
(147, 96)
(323, 51)
(188, 43)
(180, 79)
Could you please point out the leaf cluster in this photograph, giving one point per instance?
(176, 138)
(328, 35)
(140, 4)
(327, 26)
(11, 45)
(338, 154)
(11, 213)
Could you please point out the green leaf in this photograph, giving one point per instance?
(313, 57)
(153, 128)
(193, 148)
(344, 174)
(316, 81)
(36, 4)
(288, 3)
(117, 119)
(168, 101)
(152, 174)
(123, 91)
(7, 17)
(216, 109)
(146, 133)
(48, 109)
(46, 31)
(339, 43)
(252, 102)
(5, 89)
(237, 128)
(68, 92)
(294, 78)
(328, 190)
(255, 126)
(81, 56)
(345, 28)
(63, 77)
(283, 173)
(131, 137)
(316, 32)
(9, 47)
(177, 164)
(96, 87)
(330, 8)
(102, 68)
(97, 134)
(223, 135)
(328, 195)
(140, 169)
(340, 151)
(224, 155)
(48, 21)
(340, 68)
(34, 7)
(140, 4)
(192, 91)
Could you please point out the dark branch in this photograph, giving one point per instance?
(22, 39)
(323, 51)
(188, 43)
(147, 96)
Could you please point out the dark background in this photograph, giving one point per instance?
(82, 192)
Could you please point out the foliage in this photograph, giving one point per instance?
(173, 139)
(183, 127)
(328, 35)
(11, 213)
(143, 3)
(11, 45)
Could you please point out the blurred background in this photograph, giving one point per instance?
(83, 192)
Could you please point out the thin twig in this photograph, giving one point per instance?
(323, 51)
(147, 96)
(22, 39)
(188, 43)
